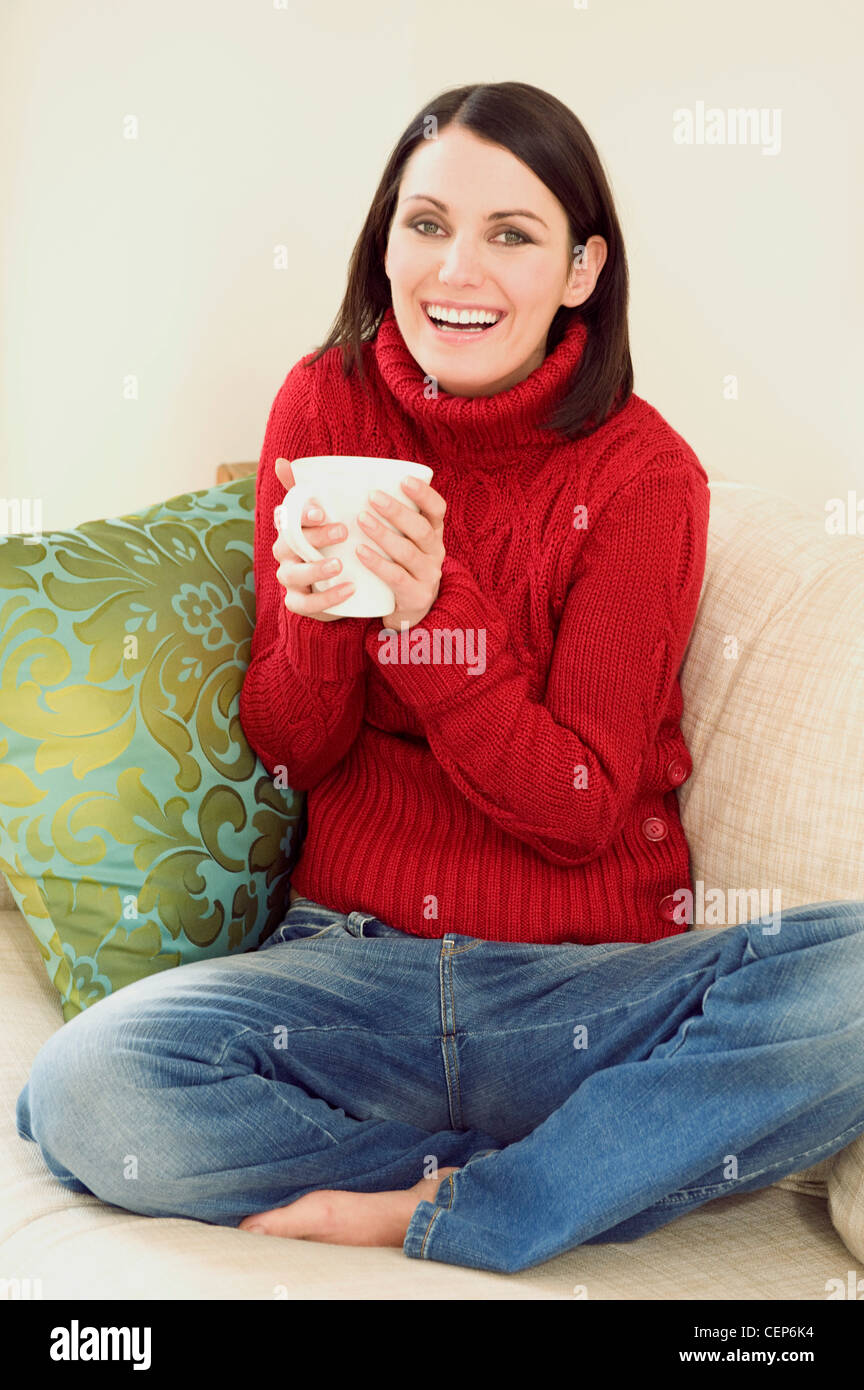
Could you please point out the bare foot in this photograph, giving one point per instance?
(347, 1218)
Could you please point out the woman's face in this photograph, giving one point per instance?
(485, 234)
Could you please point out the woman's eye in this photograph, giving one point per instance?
(508, 231)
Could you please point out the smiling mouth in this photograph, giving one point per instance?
(465, 330)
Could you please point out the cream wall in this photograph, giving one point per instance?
(263, 127)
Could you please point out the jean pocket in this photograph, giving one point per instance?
(306, 920)
(362, 925)
(273, 939)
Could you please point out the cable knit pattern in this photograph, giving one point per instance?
(528, 795)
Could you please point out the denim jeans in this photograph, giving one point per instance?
(586, 1093)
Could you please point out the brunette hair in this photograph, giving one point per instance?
(551, 140)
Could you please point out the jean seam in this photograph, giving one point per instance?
(451, 953)
(334, 926)
(748, 948)
(693, 1017)
(229, 1042)
(277, 939)
(438, 1209)
(425, 1238)
(454, 1096)
(688, 1192)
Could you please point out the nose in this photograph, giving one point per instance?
(461, 265)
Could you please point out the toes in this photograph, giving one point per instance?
(252, 1223)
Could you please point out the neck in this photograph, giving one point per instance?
(488, 422)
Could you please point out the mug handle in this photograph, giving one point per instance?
(287, 518)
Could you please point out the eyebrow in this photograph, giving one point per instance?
(493, 216)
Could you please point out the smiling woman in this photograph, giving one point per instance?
(494, 851)
(524, 282)
(494, 198)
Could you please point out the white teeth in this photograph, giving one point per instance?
(436, 311)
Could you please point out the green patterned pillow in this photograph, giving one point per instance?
(138, 830)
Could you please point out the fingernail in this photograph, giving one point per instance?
(411, 484)
(314, 513)
(380, 498)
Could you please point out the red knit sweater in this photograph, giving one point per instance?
(533, 800)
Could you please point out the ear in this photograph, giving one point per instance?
(584, 271)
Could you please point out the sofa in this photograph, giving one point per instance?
(773, 683)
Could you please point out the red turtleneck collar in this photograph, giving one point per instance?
(498, 420)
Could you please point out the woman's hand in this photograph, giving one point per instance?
(297, 575)
(417, 549)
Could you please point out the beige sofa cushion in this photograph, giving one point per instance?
(777, 798)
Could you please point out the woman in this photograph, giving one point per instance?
(483, 1032)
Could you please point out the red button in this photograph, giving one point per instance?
(668, 906)
(677, 772)
(654, 828)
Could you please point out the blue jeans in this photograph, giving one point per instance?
(587, 1093)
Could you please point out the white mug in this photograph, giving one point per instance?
(342, 483)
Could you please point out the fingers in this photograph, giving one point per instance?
(425, 528)
(407, 553)
(416, 545)
(322, 534)
(282, 469)
(430, 502)
(297, 576)
(297, 573)
(316, 535)
(312, 604)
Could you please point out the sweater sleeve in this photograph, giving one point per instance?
(303, 694)
(561, 774)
